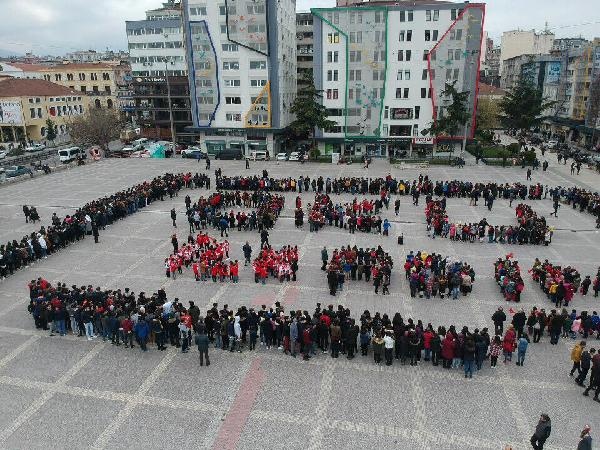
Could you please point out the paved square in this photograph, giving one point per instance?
(69, 393)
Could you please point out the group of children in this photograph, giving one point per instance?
(282, 264)
(508, 276)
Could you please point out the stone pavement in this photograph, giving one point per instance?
(70, 393)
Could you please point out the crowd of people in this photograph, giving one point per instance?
(205, 256)
(352, 263)
(508, 276)
(559, 283)
(430, 275)
(90, 219)
(256, 183)
(265, 209)
(280, 264)
(358, 215)
(121, 317)
(582, 198)
(530, 228)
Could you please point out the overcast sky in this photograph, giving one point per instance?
(61, 26)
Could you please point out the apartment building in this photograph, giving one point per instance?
(26, 105)
(242, 63)
(524, 42)
(304, 45)
(158, 68)
(383, 68)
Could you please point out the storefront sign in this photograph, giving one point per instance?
(11, 113)
(423, 140)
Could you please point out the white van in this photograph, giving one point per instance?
(258, 155)
(139, 142)
(70, 154)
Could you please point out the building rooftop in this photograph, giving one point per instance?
(21, 87)
(60, 67)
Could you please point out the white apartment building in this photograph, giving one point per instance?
(382, 69)
(155, 41)
(241, 59)
(519, 42)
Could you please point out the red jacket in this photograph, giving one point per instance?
(447, 347)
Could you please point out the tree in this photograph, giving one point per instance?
(523, 106)
(309, 110)
(454, 116)
(50, 130)
(98, 126)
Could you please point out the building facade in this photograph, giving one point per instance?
(304, 46)
(157, 51)
(26, 105)
(242, 63)
(519, 42)
(383, 69)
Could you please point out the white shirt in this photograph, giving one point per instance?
(388, 341)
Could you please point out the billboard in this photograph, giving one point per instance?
(553, 72)
(401, 113)
(10, 113)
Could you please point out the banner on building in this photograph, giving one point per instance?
(553, 74)
(11, 113)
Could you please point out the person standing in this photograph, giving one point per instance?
(576, 357)
(27, 213)
(586, 363)
(529, 174)
(174, 217)
(585, 440)
(542, 432)
(201, 341)
(499, 317)
(522, 344)
(324, 258)
(247, 163)
(247, 249)
(264, 239)
(95, 232)
(388, 342)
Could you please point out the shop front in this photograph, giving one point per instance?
(422, 147)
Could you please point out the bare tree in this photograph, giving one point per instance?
(98, 126)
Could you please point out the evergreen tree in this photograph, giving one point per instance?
(523, 106)
(50, 130)
(309, 110)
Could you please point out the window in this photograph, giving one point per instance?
(256, 9)
(457, 53)
(406, 90)
(458, 34)
(408, 35)
(224, 29)
(400, 75)
(402, 16)
(332, 56)
(410, 16)
(356, 37)
(258, 65)
(336, 18)
(222, 10)
(378, 17)
(417, 111)
(107, 89)
(378, 75)
(355, 75)
(32, 113)
(436, 15)
(406, 75)
(258, 83)
(425, 54)
(257, 28)
(428, 15)
(453, 14)
(335, 94)
(106, 76)
(423, 92)
(356, 56)
(332, 75)
(335, 75)
(232, 83)
(456, 72)
(350, 94)
(379, 36)
(386, 112)
(400, 55)
(57, 77)
(83, 88)
(333, 38)
(231, 65)
(233, 100)
(424, 75)
(69, 77)
(402, 36)
(94, 77)
(233, 117)
(408, 55)
(427, 35)
(229, 47)
(415, 130)
(199, 11)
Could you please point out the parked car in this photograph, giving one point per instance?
(281, 157)
(229, 153)
(193, 152)
(35, 148)
(3, 154)
(259, 155)
(15, 171)
(67, 155)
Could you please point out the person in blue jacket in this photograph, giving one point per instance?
(522, 344)
(142, 330)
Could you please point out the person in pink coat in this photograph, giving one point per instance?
(508, 344)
